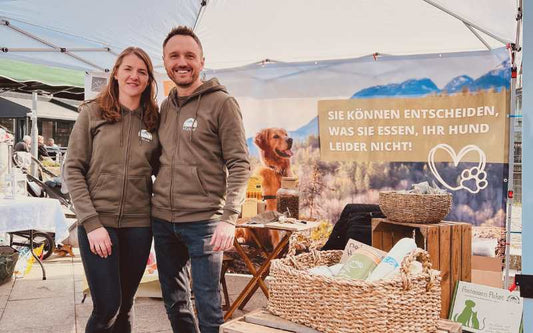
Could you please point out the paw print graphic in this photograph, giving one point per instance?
(474, 179)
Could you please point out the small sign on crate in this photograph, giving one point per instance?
(486, 309)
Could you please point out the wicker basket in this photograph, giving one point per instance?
(415, 208)
(407, 303)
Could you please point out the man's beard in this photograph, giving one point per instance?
(182, 84)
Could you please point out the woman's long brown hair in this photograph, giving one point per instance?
(108, 99)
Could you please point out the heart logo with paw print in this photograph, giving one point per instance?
(473, 179)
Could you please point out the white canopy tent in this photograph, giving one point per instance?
(316, 30)
(87, 35)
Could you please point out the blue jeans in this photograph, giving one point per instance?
(175, 245)
(113, 281)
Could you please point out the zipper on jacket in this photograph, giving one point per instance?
(172, 159)
(126, 163)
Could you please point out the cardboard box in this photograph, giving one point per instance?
(487, 271)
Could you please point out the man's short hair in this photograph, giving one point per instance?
(183, 31)
(26, 138)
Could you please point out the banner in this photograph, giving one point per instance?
(349, 129)
(352, 128)
(415, 129)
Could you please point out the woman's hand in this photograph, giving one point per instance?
(100, 242)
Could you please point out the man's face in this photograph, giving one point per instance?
(183, 60)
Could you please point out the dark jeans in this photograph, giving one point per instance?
(113, 281)
(175, 245)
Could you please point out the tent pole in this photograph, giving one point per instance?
(527, 162)
(63, 50)
(15, 132)
(478, 36)
(203, 4)
(510, 178)
(447, 11)
(60, 49)
(34, 133)
(514, 48)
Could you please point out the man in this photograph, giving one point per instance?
(41, 149)
(51, 143)
(24, 145)
(53, 149)
(200, 185)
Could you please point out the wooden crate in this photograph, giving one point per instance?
(449, 245)
(448, 326)
(262, 321)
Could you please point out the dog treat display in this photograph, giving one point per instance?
(288, 197)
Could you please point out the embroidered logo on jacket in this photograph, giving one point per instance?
(145, 135)
(190, 124)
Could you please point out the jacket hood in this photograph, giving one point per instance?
(207, 87)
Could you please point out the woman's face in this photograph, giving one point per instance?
(132, 76)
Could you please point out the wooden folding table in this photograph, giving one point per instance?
(259, 275)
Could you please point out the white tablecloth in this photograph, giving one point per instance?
(33, 213)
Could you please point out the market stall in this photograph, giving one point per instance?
(373, 56)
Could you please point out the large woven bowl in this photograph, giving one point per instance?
(415, 208)
(407, 303)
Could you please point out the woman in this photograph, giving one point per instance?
(112, 153)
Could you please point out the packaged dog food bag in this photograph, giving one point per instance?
(352, 245)
(390, 265)
(361, 263)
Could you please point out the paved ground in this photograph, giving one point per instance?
(31, 305)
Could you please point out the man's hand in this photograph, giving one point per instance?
(100, 242)
(222, 239)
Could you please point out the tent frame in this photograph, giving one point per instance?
(50, 47)
(469, 24)
(514, 48)
(527, 212)
(54, 48)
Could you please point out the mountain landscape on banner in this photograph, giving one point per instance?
(498, 78)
